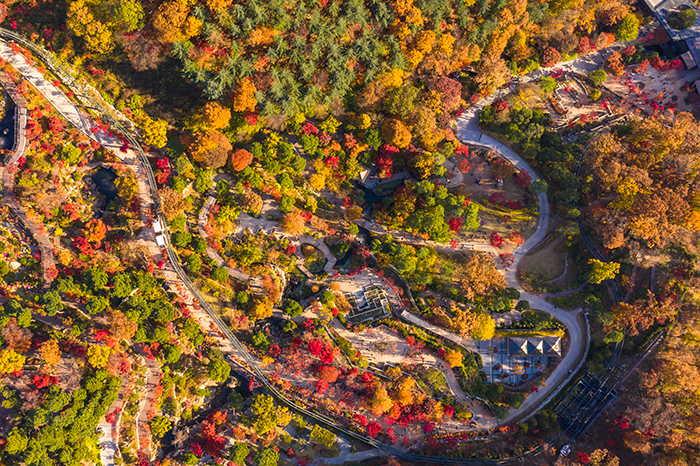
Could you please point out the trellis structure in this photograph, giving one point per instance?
(583, 404)
(374, 304)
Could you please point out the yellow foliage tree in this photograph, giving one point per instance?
(244, 100)
(216, 116)
(50, 351)
(404, 394)
(98, 356)
(423, 164)
(154, 131)
(401, 7)
(79, 17)
(628, 191)
(317, 181)
(414, 17)
(332, 181)
(395, 133)
(392, 372)
(414, 57)
(80, 20)
(402, 30)
(10, 361)
(380, 401)
(260, 309)
(445, 44)
(453, 358)
(601, 271)
(485, 328)
(217, 5)
(423, 126)
(392, 79)
(127, 187)
(425, 41)
(98, 38)
(363, 121)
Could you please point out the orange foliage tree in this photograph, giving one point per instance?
(173, 23)
(211, 148)
(240, 158)
(95, 231)
(50, 351)
(293, 223)
(216, 116)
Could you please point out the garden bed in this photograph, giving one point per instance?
(506, 209)
(315, 259)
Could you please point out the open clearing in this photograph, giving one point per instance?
(549, 263)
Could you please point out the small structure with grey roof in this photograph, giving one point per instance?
(545, 346)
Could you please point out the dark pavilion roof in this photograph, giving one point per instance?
(534, 346)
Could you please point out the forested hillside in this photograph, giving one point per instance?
(286, 57)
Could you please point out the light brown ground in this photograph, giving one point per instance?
(548, 263)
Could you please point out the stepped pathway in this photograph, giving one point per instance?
(110, 447)
(129, 157)
(152, 379)
(7, 175)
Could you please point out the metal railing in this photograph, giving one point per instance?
(615, 285)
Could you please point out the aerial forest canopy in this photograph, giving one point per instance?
(289, 57)
(649, 168)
